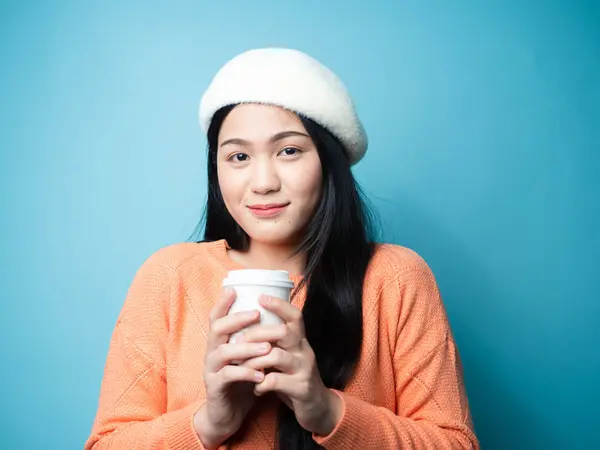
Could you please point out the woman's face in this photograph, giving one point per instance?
(269, 173)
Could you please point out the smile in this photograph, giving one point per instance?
(269, 210)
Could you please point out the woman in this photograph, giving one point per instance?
(365, 357)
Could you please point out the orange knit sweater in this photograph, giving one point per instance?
(407, 391)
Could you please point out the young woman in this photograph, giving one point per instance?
(365, 357)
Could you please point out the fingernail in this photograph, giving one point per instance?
(258, 376)
(263, 347)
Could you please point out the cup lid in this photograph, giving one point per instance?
(254, 277)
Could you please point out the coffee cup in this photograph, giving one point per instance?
(250, 284)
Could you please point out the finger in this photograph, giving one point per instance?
(232, 374)
(279, 382)
(291, 315)
(265, 333)
(277, 358)
(222, 328)
(232, 323)
(225, 354)
(283, 309)
(222, 305)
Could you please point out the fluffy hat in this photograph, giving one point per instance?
(292, 80)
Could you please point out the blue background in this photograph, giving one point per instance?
(484, 131)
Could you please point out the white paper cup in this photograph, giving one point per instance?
(250, 284)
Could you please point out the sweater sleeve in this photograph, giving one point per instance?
(431, 405)
(133, 397)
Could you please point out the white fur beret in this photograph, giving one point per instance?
(292, 80)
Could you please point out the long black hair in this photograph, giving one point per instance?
(338, 244)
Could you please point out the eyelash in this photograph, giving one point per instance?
(232, 158)
(296, 150)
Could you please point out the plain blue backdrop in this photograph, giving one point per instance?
(484, 127)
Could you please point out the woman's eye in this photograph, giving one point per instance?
(290, 151)
(238, 157)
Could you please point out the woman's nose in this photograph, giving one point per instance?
(265, 178)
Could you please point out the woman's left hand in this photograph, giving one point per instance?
(297, 380)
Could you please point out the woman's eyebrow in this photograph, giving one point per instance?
(285, 134)
(276, 137)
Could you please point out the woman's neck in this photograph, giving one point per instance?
(272, 257)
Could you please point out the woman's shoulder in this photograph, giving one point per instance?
(177, 257)
(402, 282)
(391, 261)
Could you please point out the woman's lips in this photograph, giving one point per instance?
(269, 210)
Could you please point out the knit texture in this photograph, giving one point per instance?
(407, 391)
(292, 80)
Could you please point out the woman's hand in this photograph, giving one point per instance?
(297, 382)
(229, 388)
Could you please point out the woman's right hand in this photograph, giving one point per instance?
(229, 387)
